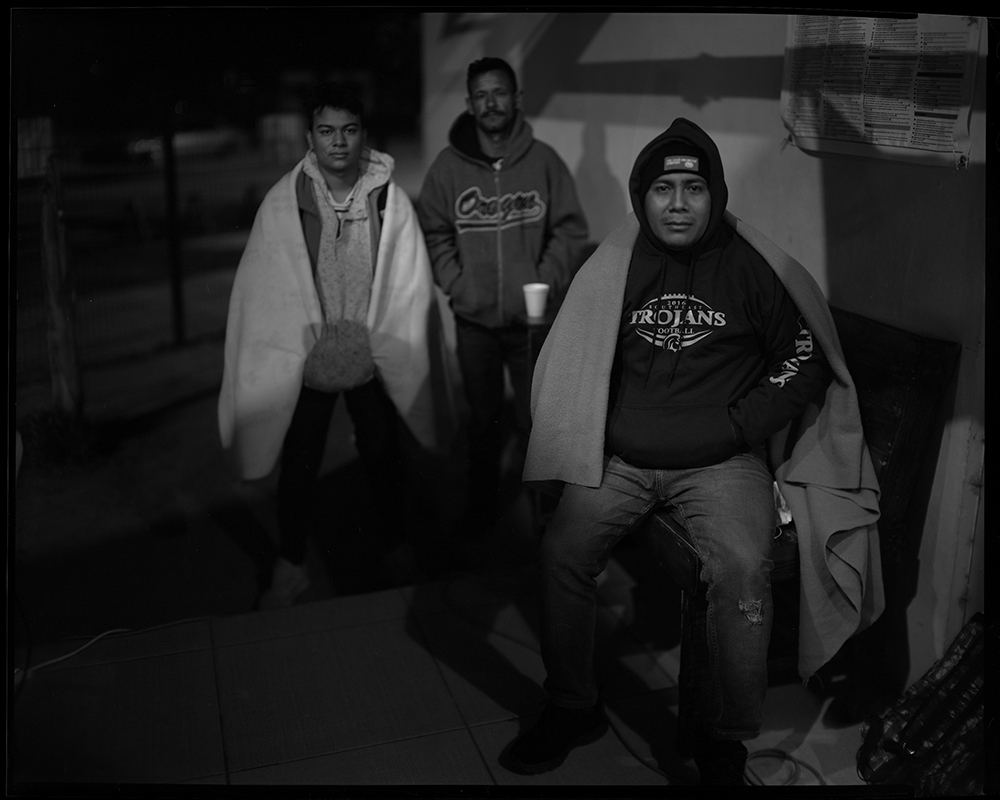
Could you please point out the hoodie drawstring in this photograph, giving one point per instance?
(652, 349)
(687, 307)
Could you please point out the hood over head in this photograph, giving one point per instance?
(683, 147)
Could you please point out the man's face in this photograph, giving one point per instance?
(493, 102)
(337, 138)
(678, 207)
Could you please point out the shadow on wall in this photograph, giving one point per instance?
(605, 202)
(920, 271)
(903, 239)
(555, 65)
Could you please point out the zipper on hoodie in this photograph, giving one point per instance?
(496, 184)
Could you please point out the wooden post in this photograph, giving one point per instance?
(67, 388)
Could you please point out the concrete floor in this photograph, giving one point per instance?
(418, 686)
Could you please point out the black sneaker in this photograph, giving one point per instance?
(556, 733)
(721, 763)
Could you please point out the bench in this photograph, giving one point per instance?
(901, 379)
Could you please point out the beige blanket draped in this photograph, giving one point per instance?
(275, 318)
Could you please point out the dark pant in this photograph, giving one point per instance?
(377, 438)
(482, 354)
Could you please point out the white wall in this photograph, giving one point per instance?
(900, 243)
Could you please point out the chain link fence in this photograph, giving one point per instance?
(117, 246)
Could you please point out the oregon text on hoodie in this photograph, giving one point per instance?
(492, 226)
(713, 356)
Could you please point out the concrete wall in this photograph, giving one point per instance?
(900, 243)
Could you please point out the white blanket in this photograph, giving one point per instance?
(275, 318)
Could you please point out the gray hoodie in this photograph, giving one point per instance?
(492, 226)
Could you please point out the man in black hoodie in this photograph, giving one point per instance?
(712, 358)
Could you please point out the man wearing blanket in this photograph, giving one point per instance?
(693, 363)
(333, 295)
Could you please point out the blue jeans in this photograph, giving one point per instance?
(728, 509)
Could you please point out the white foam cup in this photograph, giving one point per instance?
(535, 295)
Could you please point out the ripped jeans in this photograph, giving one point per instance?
(729, 511)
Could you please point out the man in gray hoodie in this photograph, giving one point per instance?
(498, 209)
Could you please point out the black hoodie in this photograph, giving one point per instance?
(713, 356)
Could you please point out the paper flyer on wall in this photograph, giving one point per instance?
(881, 87)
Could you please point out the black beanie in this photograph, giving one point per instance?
(675, 156)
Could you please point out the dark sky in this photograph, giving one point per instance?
(118, 68)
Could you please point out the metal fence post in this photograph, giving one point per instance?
(64, 364)
(173, 231)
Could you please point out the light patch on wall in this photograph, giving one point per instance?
(741, 156)
(566, 136)
(772, 191)
(453, 61)
(651, 37)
